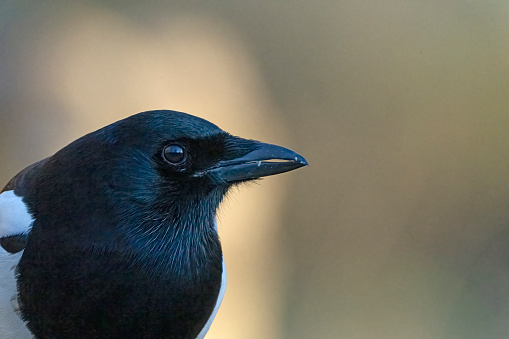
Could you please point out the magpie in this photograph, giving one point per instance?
(115, 235)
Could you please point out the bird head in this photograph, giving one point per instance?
(165, 159)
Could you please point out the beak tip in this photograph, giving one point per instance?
(301, 161)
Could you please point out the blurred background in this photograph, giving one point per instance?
(399, 228)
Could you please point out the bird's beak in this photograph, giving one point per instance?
(266, 160)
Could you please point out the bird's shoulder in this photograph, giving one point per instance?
(15, 216)
(15, 224)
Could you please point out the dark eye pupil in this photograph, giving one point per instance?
(174, 154)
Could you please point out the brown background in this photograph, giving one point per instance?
(398, 229)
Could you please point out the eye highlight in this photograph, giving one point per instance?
(174, 154)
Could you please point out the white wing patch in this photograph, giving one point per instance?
(14, 219)
(14, 216)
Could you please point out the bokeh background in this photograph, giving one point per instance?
(399, 228)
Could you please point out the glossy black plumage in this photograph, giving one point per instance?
(124, 242)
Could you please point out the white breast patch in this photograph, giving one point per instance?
(205, 329)
(222, 290)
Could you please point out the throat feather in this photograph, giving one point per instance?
(188, 248)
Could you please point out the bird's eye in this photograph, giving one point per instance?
(174, 154)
